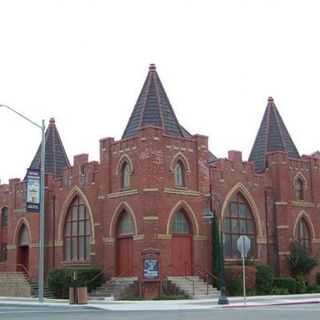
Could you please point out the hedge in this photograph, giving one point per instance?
(60, 280)
(264, 279)
(285, 283)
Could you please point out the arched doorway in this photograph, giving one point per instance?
(23, 249)
(181, 245)
(125, 231)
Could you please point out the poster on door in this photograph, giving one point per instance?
(33, 190)
(151, 269)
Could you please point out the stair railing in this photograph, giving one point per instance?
(171, 266)
(24, 269)
(206, 275)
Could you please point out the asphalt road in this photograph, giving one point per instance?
(292, 312)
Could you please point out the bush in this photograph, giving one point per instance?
(264, 279)
(173, 297)
(313, 289)
(318, 278)
(300, 284)
(279, 291)
(285, 283)
(60, 280)
(300, 261)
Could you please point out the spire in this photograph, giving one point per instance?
(272, 136)
(154, 109)
(56, 158)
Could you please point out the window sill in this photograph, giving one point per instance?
(76, 263)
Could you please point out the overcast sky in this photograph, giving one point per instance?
(84, 63)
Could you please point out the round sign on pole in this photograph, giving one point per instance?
(244, 245)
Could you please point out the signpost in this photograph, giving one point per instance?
(244, 245)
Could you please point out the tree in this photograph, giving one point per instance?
(300, 261)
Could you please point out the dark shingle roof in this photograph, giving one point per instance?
(272, 136)
(153, 108)
(56, 158)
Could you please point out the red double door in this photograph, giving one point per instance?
(125, 257)
(181, 255)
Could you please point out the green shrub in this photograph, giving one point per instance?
(285, 283)
(313, 289)
(278, 291)
(300, 284)
(59, 280)
(264, 279)
(300, 261)
(318, 278)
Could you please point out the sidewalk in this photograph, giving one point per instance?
(204, 304)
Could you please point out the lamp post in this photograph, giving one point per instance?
(42, 186)
(223, 299)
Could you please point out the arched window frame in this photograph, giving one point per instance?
(77, 232)
(125, 175)
(125, 225)
(179, 174)
(303, 234)
(299, 187)
(238, 220)
(180, 224)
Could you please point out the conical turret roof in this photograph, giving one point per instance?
(153, 108)
(272, 136)
(56, 158)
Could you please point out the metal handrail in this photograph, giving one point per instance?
(186, 277)
(207, 275)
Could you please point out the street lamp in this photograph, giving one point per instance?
(223, 299)
(42, 182)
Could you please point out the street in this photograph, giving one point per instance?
(292, 312)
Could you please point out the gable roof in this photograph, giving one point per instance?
(56, 159)
(272, 136)
(153, 108)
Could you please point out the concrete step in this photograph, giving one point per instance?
(194, 286)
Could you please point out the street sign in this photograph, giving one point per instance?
(207, 215)
(244, 245)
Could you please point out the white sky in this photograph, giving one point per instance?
(84, 63)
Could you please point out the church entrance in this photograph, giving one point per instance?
(124, 259)
(181, 245)
(23, 250)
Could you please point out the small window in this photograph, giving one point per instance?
(179, 174)
(303, 234)
(125, 175)
(180, 223)
(299, 186)
(4, 217)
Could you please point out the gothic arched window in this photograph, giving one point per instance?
(180, 223)
(77, 232)
(179, 174)
(4, 217)
(125, 224)
(238, 221)
(125, 175)
(303, 234)
(299, 189)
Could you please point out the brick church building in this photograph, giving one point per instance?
(150, 190)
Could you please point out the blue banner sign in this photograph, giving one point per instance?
(151, 269)
(33, 191)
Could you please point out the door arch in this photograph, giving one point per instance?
(23, 249)
(181, 244)
(124, 247)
